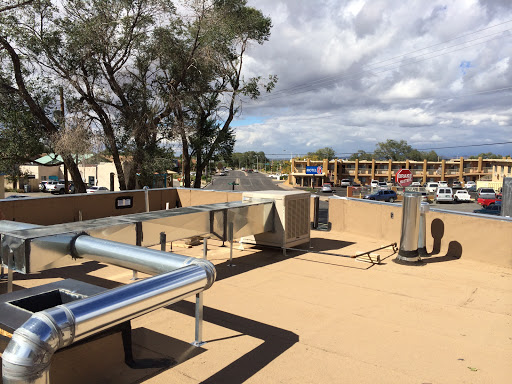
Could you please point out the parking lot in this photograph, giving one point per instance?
(459, 207)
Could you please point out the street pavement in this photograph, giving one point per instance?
(247, 182)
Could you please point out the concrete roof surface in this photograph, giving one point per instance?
(313, 317)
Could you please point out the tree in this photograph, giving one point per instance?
(323, 153)
(488, 155)
(392, 149)
(21, 137)
(203, 80)
(162, 160)
(14, 4)
(361, 155)
(138, 72)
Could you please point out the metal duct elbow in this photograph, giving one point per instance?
(209, 268)
(150, 261)
(28, 355)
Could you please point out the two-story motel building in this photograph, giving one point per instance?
(363, 171)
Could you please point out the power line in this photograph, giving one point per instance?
(293, 118)
(467, 146)
(311, 87)
(330, 78)
(419, 149)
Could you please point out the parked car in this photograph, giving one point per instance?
(432, 187)
(383, 185)
(470, 186)
(327, 187)
(456, 184)
(382, 195)
(374, 184)
(355, 184)
(444, 195)
(494, 209)
(415, 184)
(462, 196)
(443, 184)
(222, 173)
(345, 183)
(486, 193)
(424, 197)
(95, 189)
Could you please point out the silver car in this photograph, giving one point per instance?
(326, 187)
(486, 193)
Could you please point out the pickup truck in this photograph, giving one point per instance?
(488, 202)
(55, 187)
(461, 195)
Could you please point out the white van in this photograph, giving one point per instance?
(444, 195)
(432, 187)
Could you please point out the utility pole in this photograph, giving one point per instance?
(63, 123)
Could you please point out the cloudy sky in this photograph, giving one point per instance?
(356, 72)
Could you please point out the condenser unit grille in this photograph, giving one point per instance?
(297, 218)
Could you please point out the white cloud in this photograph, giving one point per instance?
(353, 73)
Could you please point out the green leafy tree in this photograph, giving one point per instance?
(203, 75)
(361, 155)
(161, 160)
(323, 153)
(21, 138)
(138, 71)
(487, 155)
(392, 149)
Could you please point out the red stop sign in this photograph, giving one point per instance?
(404, 177)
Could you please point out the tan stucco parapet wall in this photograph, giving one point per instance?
(475, 237)
(69, 208)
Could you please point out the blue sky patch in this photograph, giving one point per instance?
(464, 66)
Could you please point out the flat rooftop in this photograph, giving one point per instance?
(313, 317)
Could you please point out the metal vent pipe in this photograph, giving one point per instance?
(422, 234)
(408, 251)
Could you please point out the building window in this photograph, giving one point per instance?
(43, 178)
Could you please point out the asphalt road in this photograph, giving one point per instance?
(248, 182)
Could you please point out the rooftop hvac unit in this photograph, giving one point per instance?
(291, 219)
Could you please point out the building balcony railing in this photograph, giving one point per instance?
(452, 172)
(487, 170)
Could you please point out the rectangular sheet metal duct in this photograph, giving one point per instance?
(34, 248)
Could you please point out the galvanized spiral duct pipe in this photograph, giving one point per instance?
(27, 358)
